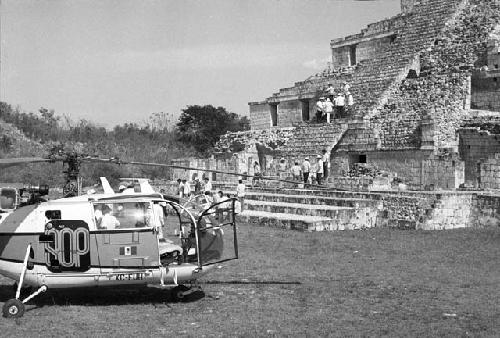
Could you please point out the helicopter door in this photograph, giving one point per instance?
(126, 237)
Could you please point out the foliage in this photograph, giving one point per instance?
(202, 126)
(151, 141)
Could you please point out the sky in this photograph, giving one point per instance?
(118, 61)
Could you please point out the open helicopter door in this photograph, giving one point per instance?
(216, 233)
(126, 236)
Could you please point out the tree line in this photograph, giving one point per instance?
(157, 139)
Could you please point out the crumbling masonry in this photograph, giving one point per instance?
(425, 125)
(418, 79)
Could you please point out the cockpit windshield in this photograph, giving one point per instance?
(123, 215)
(7, 198)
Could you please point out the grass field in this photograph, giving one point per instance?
(354, 283)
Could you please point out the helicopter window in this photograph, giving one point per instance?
(53, 214)
(7, 198)
(123, 215)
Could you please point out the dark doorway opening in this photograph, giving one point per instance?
(352, 55)
(274, 114)
(304, 106)
(357, 158)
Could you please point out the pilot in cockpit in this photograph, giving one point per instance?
(108, 221)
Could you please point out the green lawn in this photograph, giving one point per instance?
(353, 283)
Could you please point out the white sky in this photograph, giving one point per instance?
(119, 61)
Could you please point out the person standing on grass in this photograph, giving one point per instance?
(180, 188)
(186, 189)
(306, 167)
(208, 185)
(240, 193)
(197, 186)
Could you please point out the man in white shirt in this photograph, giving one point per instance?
(306, 168)
(319, 169)
(108, 221)
(328, 109)
(296, 171)
(330, 92)
(320, 109)
(340, 104)
(240, 193)
(208, 185)
(186, 189)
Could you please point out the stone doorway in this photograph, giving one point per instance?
(273, 108)
(304, 106)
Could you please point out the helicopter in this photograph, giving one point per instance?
(133, 238)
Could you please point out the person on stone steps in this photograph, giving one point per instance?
(319, 169)
(306, 167)
(257, 173)
(328, 109)
(340, 105)
(326, 163)
(295, 170)
(330, 92)
(320, 109)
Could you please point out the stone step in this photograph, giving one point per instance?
(311, 199)
(330, 211)
(298, 222)
(285, 220)
(336, 193)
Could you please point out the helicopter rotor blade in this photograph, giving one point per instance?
(162, 165)
(9, 162)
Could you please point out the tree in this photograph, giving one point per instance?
(202, 126)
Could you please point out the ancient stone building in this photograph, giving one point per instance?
(417, 79)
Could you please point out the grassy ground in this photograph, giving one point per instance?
(354, 283)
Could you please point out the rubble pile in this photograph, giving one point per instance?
(240, 141)
(366, 170)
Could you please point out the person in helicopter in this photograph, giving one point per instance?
(108, 221)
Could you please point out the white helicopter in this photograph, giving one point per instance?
(131, 238)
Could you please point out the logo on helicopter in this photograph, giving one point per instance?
(67, 245)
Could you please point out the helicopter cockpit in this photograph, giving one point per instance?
(123, 215)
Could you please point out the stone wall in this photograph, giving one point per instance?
(289, 112)
(260, 115)
(419, 170)
(366, 49)
(489, 170)
(341, 56)
(485, 92)
(475, 147)
(494, 49)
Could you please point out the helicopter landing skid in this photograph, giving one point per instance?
(14, 308)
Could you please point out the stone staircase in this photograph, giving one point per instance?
(311, 138)
(329, 210)
(319, 210)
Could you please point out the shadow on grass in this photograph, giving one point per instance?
(101, 296)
